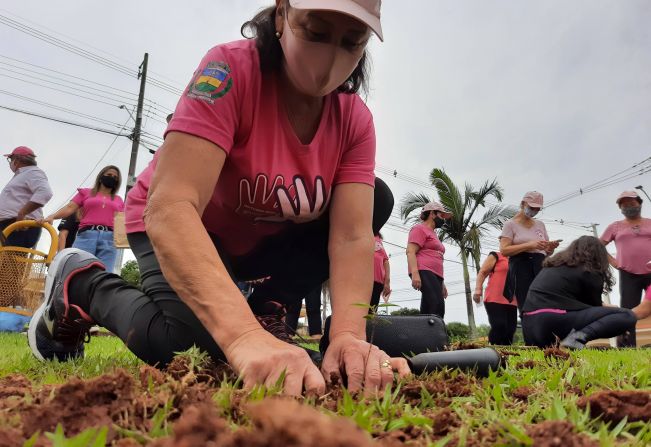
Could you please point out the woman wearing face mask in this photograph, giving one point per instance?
(632, 237)
(525, 242)
(266, 171)
(97, 207)
(425, 259)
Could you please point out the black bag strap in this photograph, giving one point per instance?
(497, 259)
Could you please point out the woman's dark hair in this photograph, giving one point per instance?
(262, 28)
(425, 215)
(98, 182)
(586, 252)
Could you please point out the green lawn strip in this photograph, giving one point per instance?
(554, 386)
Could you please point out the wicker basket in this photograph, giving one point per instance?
(23, 271)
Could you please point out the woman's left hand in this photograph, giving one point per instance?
(445, 292)
(365, 366)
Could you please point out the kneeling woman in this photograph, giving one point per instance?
(564, 301)
(266, 171)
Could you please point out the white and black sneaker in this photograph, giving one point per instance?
(58, 329)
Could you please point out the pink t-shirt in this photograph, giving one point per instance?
(519, 234)
(98, 209)
(380, 256)
(430, 255)
(270, 179)
(633, 245)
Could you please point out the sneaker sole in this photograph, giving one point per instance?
(49, 283)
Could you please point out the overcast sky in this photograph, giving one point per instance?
(551, 95)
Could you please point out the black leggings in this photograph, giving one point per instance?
(544, 329)
(155, 323)
(631, 289)
(312, 310)
(523, 268)
(503, 319)
(378, 287)
(431, 289)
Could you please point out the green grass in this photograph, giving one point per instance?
(103, 354)
(556, 386)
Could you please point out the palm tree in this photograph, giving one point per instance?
(466, 229)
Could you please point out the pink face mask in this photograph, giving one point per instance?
(316, 68)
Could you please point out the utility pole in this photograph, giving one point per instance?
(142, 75)
(135, 145)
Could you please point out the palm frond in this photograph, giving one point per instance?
(410, 203)
(497, 215)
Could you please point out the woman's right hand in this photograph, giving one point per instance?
(415, 281)
(476, 297)
(48, 220)
(260, 358)
(537, 245)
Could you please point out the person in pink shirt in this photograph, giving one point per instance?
(425, 259)
(632, 237)
(97, 207)
(267, 170)
(524, 240)
(502, 313)
(381, 273)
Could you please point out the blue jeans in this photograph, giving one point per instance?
(100, 244)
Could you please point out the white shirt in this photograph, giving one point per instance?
(29, 184)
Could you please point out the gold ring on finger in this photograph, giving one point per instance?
(386, 364)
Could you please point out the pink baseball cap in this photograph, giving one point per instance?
(534, 199)
(435, 206)
(366, 11)
(628, 195)
(21, 150)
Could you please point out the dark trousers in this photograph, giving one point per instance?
(155, 323)
(523, 268)
(23, 238)
(503, 319)
(545, 329)
(431, 290)
(312, 310)
(631, 289)
(378, 287)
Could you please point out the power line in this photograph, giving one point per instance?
(62, 109)
(74, 49)
(71, 123)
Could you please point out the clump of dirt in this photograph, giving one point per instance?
(463, 345)
(522, 393)
(334, 394)
(199, 425)
(80, 404)
(459, 385)
(527, 364)
(444, 422)
(556, 353)
(183, 368)
(149, 374)
(14, 385)
(276, 423)
(616, 405)
(483, 436)
(412, 435)
(10, 437)
(558, 434)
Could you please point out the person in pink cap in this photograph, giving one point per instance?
(632, 237)
(524, 240)
(24, 196)
(425, 259)
(267, 170)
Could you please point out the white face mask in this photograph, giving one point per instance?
(530, 212)
(316, 68)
